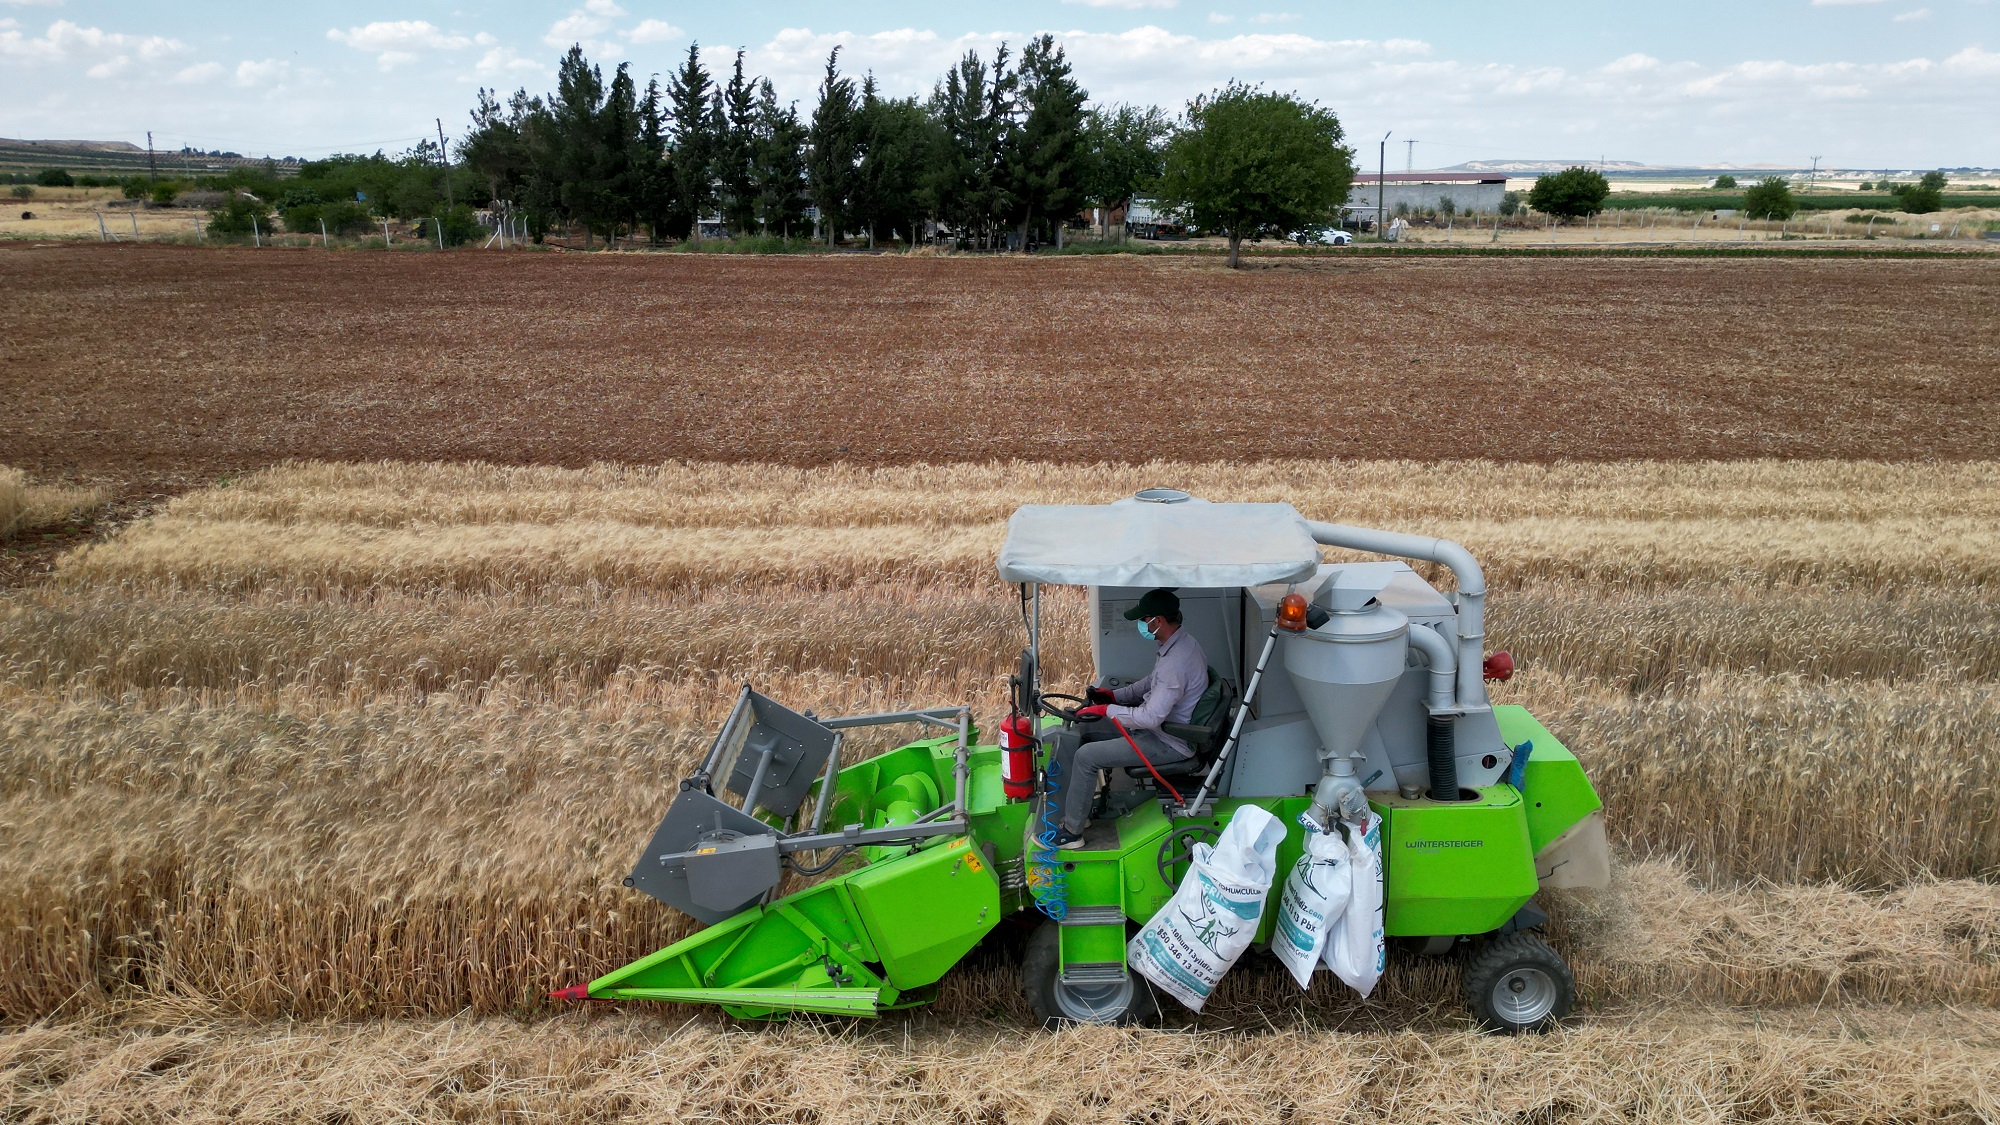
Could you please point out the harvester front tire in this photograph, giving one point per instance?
(1516, 984)
(1056, 1005)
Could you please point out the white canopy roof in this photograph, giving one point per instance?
(1134, 542)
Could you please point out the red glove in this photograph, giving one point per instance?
(1099, 695)
(1094, 711)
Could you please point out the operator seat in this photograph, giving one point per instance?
(1204, 732)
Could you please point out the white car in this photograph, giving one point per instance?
(1326, 236)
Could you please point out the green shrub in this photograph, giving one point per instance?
(237, 214)
(1770, 199)
(1724, 182)
(1510, 202)
(1921, 199)
(55, 177)
(24, 191)
(165, 192)
(1932, 180)
(1571, 193)
(135, 187)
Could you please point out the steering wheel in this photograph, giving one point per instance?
(1066, 714)
(1177, 850)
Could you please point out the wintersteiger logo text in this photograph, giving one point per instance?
(1433, 844)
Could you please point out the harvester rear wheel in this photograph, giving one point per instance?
(1516, 984)
(1126, 1004)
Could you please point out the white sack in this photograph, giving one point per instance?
(1314, 900)
(1208, 923)
(1356, 950)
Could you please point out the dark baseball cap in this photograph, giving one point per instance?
(1156, 603)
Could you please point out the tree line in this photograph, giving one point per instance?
(1001, 149)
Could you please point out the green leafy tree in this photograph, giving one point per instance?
(1922, 199)
(571, 164)
(495, 150)
(697, 137)
(54, 177)
(1725, 182)
(1510, 203)
(973, 108)
(1128, 154)
(1046, 161)
(778, 171)
(1932, 180)
(620, 162)
(1570, 193)
(1770, 198)
(1251, 163)
(831, 165)
(736, 162)
(655, 202)
(893, 135)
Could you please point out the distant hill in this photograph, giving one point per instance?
(118, 158)
(86, 146)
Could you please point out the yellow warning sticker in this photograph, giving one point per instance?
(972, 862)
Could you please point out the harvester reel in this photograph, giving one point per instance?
(1177, 850)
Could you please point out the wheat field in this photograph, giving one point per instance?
(318, 757)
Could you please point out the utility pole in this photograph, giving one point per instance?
(1814, 177)
(1381, 174)
(1410, 156)
(444, 158)
(152, 170)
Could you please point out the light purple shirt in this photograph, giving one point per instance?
(1168, 693)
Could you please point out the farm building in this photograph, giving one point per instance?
(1425, 191)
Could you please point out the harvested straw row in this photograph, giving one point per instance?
(394, 494)
(329, 858)
(1746, 776)
(177, 551)
(1651, 1066)
(566, 638)
(26, 507)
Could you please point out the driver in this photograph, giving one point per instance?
(1167, 694)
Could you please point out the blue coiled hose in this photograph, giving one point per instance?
(1047, 880)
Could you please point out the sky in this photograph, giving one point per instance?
(1890, 84)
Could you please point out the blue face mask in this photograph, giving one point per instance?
(1145, 630)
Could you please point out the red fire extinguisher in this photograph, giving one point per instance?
(1017, 756)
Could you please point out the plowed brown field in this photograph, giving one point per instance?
(158, 358)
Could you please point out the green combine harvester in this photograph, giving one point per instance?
(1322, 677)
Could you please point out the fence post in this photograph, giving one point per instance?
(197, 229)
(135, 225)
(102, 234)
(385, 234)
(440, 227)
(323, 244)
(256, 235)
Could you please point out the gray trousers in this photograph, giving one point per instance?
(1104, 749)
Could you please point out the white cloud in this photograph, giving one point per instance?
(396, 42)
(1274, 17)
(654, 31)
(505, 63)
(1219, 17)
(101, 54)
(585, 26)
(199, 72)
(37, 3)
(262, 72)
(1919, 14)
